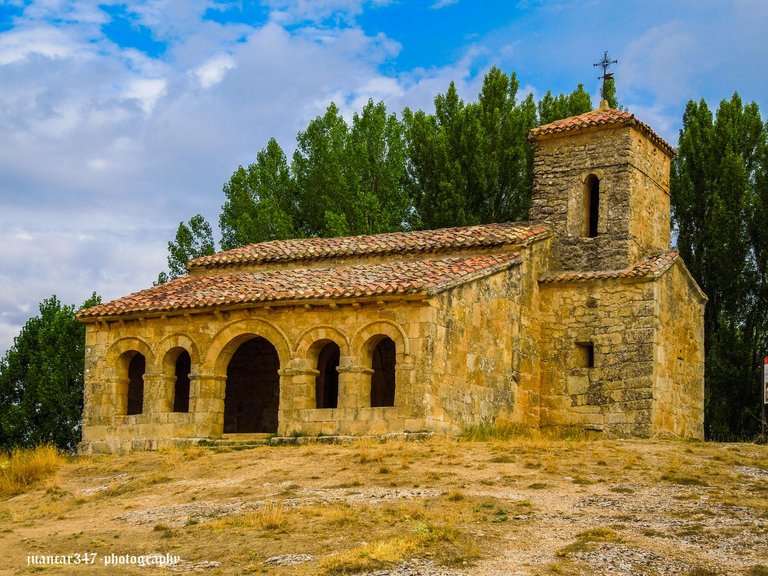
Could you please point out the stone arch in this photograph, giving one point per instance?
(176, 388)
(325, 332)
(179, 340)
(383, 328)
(180, 359)
(230, 337)
(129, 344)
(365, 345)
(129, 359)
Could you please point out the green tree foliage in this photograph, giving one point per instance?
(193, 240)
(349, 180)
(471, 163)
(260, 203)
(719, 199)
(41, 379)
(553, 108)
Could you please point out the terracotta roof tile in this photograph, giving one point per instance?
(651, 268)
(204, 291)
(424, 241)
(600, 117)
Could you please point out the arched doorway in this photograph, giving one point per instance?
(252, 395)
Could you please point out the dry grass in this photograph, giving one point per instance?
(484, 507)
(587, 540)
(22, 469)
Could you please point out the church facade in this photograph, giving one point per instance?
(581, 317)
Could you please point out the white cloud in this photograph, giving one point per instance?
(44, 41)
(147, 91)
(213, 71)
(443, 3)
(292, 11)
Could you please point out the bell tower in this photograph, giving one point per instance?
(601, 182)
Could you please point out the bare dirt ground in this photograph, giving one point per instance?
(438, 507)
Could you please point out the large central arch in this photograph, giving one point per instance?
(252, 395)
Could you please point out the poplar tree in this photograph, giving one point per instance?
(719, 197)
(259, 201)
(471, 163)
(350, 179)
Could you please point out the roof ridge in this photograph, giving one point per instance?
(406, 242)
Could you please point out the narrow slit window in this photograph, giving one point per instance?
(585, 355)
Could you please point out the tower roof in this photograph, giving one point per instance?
(601, 117)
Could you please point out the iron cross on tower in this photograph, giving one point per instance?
(605, 63)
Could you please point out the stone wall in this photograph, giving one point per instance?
(618, 320)
(474, 377)
(678, 394)
(649, 216)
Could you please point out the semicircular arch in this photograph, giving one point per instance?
(129, 344)
(381, 328)
(315, 334)
(177, 340)
(230, 337)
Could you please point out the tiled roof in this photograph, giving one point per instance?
(651, 268)
(601, 117)
(426, 241)
(424, 277)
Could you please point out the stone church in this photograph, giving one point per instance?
(581, 317)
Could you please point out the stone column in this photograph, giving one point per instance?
(297, 385)
(208, 403)
(354, 384)
(297, 393)
(119, 388)
(406, 394)
(155, 399)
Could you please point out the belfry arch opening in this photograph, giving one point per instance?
(383, 361)
(137, 366)
(327, 381)
(252, 394)
(591, 206)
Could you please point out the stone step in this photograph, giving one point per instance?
(237, 441)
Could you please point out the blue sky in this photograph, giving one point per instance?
(121, 119)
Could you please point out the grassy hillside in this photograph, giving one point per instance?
(439, 507)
